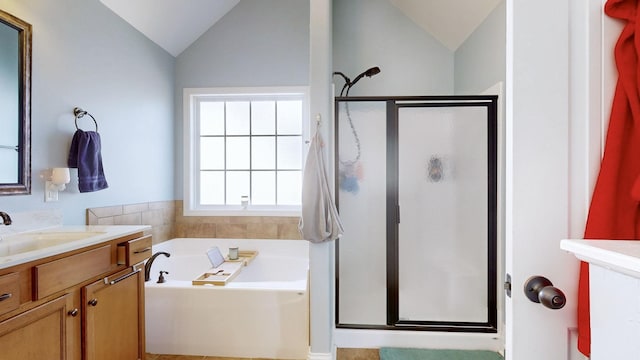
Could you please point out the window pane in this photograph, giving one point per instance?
(237, 186)
(212, 153)
(247, 145)
(263, 153)
(290, 152)
(212, 118)
(237, 118)
(263, 118)
(290, 117)
(263, 187)
(212, 187)
(238, 153)
(289, 187)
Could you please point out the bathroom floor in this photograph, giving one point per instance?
(183, 357)
(190, 357)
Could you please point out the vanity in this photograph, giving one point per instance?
(73, 292)
(614, 281)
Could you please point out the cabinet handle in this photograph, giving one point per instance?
(112, 282)
(73, 312)
(93, 302)
(142, 251)
(6, 296)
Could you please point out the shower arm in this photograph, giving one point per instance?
(347, 81)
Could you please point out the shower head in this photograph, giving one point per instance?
(348, 83)
(368, 73)
(372, 71)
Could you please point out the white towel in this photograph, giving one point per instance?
(320, 220)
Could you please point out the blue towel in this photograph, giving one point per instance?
(84, 154)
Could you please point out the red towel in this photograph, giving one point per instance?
(614, 211)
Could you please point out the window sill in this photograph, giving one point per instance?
(243, 212)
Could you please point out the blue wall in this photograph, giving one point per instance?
(258, 43)
(84, 55)
(375, 33)
(370, 33)
(480, 61)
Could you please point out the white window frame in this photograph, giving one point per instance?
(191, 204)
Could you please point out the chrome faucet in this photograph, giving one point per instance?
(147, 266)
(6, 219)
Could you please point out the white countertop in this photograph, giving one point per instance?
(622, 256)
(57, 240)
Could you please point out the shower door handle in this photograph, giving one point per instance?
(540, 290)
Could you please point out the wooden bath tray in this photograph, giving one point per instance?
(219, 276)
(230, 269)
(244, 256)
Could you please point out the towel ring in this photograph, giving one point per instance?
(79, 113)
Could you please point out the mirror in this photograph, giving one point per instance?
(15, 105)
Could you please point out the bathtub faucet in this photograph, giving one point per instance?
(147, 266)
(6, 219)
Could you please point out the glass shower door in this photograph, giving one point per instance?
(443, 199)
(417, 193)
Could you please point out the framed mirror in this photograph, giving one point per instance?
(15, 105)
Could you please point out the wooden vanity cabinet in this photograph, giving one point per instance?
(84, 304)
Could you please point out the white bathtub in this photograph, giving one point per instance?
(261, 313)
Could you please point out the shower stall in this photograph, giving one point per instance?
(416, 188)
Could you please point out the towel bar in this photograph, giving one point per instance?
(79, 114)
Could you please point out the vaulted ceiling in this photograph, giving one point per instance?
(176, 24)
(172, 24)
(449, 21)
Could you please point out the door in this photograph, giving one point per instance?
(444, 257)
(557, 98)
(39, 333)
(114, 316)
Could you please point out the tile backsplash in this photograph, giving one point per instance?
(167, 221)
(159, 214)
(236, 227)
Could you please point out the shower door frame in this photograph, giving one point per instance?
(393, 104)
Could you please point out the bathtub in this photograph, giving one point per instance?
(262, 313)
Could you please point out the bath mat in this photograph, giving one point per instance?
(433, 354)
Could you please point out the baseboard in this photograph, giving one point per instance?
(319, 356)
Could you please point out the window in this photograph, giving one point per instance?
(245, 150)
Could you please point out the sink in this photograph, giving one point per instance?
(57, 235)
(31, 241)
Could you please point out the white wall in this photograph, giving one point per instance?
(84, 55)
(370, 33)
(258, 43)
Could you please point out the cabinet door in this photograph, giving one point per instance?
(114, 317)
(39, 333)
